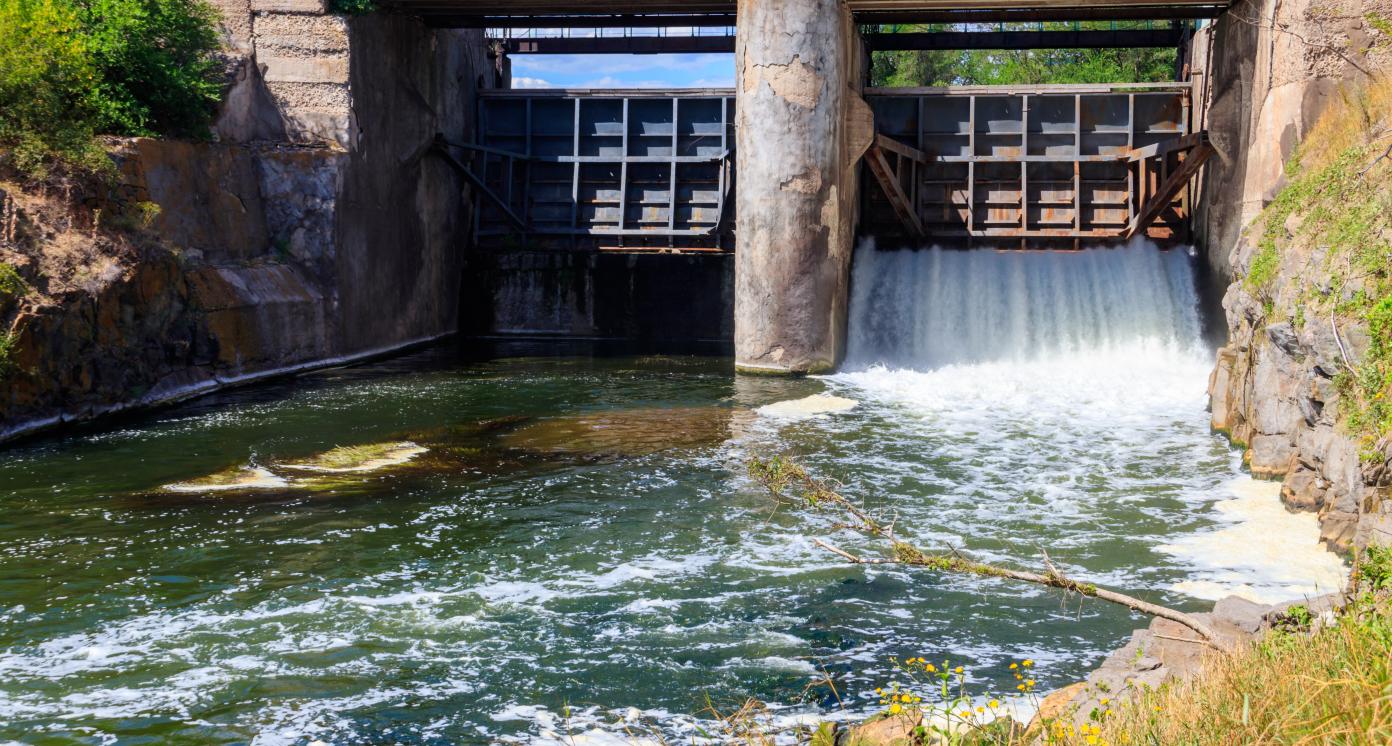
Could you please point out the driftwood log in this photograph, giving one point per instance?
(779, 475)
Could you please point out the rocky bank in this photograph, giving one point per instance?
(1269, 70)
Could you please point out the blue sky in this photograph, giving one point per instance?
(623, 71)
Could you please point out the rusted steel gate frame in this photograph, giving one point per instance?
(1157, 173)
(510, 181)
(673, 219)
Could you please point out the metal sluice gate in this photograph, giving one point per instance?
(1007, 167)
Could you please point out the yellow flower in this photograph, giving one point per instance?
(957, 669)
(993, 704)
(981, 709)
(895, 709)
(1021, 687)
(1029, 682)
(930, 668)
(1028, 662)
(1106, 701)
(1092, 739)
(905, 698)
(1013, 666)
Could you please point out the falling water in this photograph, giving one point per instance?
(934, 307)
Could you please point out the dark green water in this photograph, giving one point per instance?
(619, 565)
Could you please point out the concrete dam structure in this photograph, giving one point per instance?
(787, 169)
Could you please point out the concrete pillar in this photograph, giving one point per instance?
(801, 127)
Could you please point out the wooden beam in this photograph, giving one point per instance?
(879, 166)
(1167, 190)
(899, 148)
(1168, 146)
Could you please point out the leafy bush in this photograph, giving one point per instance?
(46, 78)
(70, 69)
(159, 73)
(11, 284)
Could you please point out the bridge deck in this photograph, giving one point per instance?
(624, 12)
(653, 169)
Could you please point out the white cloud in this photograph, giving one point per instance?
(525, 82)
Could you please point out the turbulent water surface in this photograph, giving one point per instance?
(539, 547)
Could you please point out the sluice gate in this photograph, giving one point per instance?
(1045, 162)
(653, 170)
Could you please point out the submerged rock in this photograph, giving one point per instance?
(624, 432)
(238, 478)
(363, 458)
(807, 406)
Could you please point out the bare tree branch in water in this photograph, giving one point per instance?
(780, 476)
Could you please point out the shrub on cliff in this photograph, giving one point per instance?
(46, 80)
(158, 66)
(71, 69)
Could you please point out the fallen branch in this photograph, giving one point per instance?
(778, 474)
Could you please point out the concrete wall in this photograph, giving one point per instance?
(643, 298)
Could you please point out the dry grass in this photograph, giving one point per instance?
(1360, 115)
(1330, 687)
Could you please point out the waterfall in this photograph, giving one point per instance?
(936, 307)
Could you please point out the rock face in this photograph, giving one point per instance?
(317, 229)
(1265, 83)
(1266, 69)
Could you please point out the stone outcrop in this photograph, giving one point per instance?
(317, 228)
(1269, 70)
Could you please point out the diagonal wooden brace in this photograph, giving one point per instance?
(879, 166)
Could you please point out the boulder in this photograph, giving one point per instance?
(890, 730)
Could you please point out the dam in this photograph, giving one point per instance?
(429, 407)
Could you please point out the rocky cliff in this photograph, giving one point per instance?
(317, 228)
(1294, 210)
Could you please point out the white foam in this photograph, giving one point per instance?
(1263, 552)
(808, 406)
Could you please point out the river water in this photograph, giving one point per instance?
(570, 551)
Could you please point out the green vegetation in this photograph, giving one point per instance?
(352, 7)
(7, 364)
(1013, 67)
(1339, 200)
(72, 69)
(11, 284)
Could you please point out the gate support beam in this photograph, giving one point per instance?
(1165, 193)
(798, 64)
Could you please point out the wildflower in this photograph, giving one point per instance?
(1021, 687)
(1028, 663)
(930, 668)
(1106, 701)
(1092, 740)
(1013, 666)
(905, 698)
(993, 704)
(957, 669)
(895, 709)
